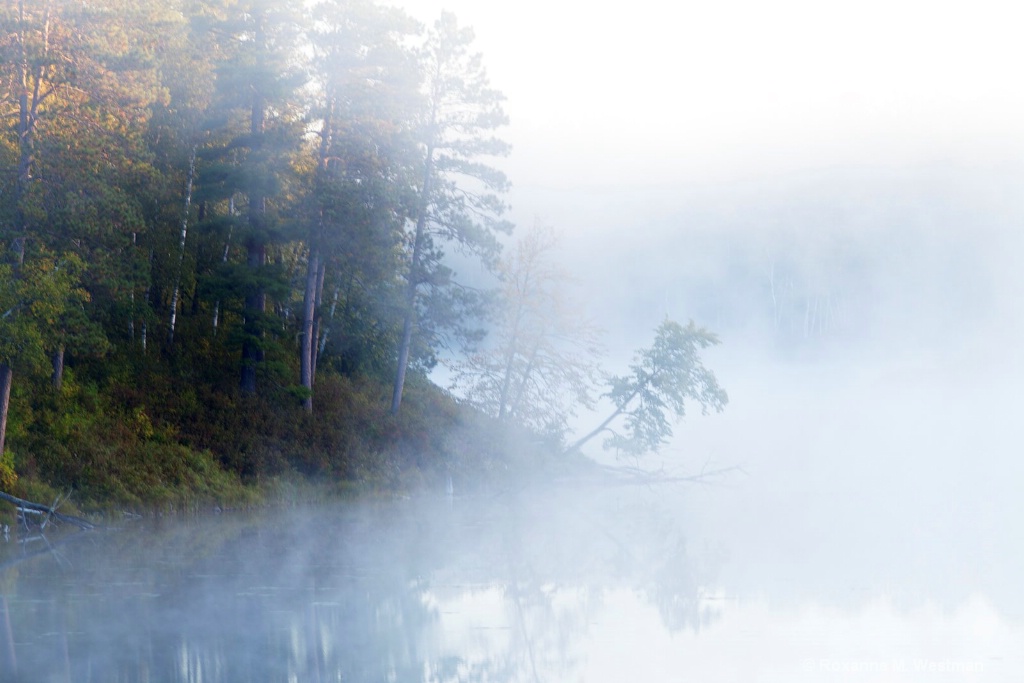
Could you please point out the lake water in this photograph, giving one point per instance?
(600, 584)
(873, 535)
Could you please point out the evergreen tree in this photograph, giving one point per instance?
(457, 194)
(366, 80)
(260, 127)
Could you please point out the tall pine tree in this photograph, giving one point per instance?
(457, 194)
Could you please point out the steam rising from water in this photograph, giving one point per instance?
(598, 584)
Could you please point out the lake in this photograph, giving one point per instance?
(872, 535)
(593, 584)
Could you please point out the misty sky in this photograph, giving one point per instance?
(640, 92)
(629, 121)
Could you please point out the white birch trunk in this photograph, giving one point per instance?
(181, 245)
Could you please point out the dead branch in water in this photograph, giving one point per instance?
(27, 506)
(639, 476)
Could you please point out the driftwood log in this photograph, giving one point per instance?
(27, 505)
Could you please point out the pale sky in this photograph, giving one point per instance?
(640, 92)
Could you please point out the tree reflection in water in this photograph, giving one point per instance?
(494, 589)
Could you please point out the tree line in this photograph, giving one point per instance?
(242, 172)
(264, 187)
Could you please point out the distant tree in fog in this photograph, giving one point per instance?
(805, 287)
(457, 195)
(661, 380)
(543, 362)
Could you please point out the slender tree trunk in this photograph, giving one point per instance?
(604, 425)
(506, 380)
(322, 346)
(513, 349)
(318, 317)
(307, 353)
(224, 259)
(414, 276)
(6, 375)
(403, 349)
(57, 378)
(181, 245)
(27, 109)
(29, 100)
(315, 272)
(517, 399)
(144, 336)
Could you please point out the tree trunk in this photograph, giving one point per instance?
(318, 316)
(506, 384)
(410, 299)
(57, 378)
(308, 350)
(601, 427)
(325, 330)
(403, 349)
(6, 375)
(223, 260)
(255, 305)
(315, 275)
(26, 128)
(181, 245)
(517, 400)
(50, 510)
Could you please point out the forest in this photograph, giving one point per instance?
(224, 229)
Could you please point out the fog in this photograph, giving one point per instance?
(633, 94)
(879, 448)
(836, 194)
(867, 161)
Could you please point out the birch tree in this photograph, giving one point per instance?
(542, 364)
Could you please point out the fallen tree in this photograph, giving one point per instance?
(27, 506)
(662, 379)
(636, 475)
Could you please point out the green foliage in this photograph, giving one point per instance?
(662, 379)
(42, 304)
(8, 477)
(104, 445)
(321, 134)
(457, 202)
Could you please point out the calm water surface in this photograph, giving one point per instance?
(581, 584)
(875, 536)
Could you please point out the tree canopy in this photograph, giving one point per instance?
(661, 381)
(211, 211)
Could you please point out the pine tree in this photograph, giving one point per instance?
(260, 133)
(366, 82)
(457, 194)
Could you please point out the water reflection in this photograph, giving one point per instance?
(588, 585)
(497, 589)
